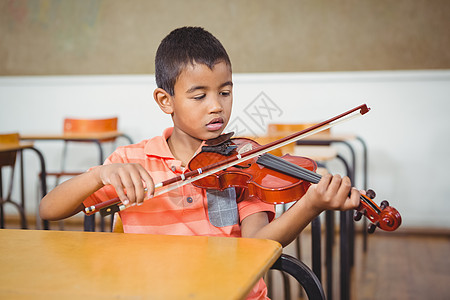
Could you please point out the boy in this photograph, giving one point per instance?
(194, 79)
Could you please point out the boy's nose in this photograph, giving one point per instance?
(215, 105)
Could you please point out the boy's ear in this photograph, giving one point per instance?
(164, 100)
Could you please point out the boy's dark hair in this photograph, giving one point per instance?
(183, 46)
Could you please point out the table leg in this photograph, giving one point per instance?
(316, 248)
(344, 254)
(329, 241)
(43, 179)
(2, 214)
(89, 223)
(364, 146)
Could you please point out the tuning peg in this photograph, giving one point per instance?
(372, 227)
(384, 204)
(371, 194)
(358, 214)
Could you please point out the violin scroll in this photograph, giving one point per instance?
(384, 216)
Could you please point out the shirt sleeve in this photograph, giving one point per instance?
(253, 205)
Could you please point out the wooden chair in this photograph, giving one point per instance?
(8, 159)
(82, 126)
(77, 127)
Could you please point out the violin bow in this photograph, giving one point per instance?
(190, 176)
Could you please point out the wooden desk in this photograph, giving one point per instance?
(88, 136)
(14, 147)
(77, 265)
(93, 137)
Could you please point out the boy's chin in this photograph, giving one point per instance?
(212, 135)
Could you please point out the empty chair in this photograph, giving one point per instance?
(78, 130)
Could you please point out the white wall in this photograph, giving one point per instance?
(406, 131)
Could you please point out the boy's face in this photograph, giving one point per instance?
(202, 101)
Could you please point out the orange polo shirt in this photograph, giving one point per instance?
(187, 210)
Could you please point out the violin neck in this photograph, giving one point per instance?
(283, 166)
(278, 164)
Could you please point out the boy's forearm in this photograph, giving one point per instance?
(290, 224)
(66, 199)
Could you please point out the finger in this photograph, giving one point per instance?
(117, 184)
(128, 184)
(138, 186)
(335, 185)
(344, 187)
(354, 200)
(149, 184)
(323, 184)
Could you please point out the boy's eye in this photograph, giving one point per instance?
(199, 97)
(225, 93)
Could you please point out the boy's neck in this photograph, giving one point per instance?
(183, 148)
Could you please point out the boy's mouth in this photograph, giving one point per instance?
(215, 124)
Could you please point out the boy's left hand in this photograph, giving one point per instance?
(332, 193)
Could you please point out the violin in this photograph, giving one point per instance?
(239, 162)
(279, 180)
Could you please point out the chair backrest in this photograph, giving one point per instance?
(83, 126)
(281, 130)
(74, 126)
(90, 125)
(286, 129)
(8, 158)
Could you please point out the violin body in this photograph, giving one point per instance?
(266, 184)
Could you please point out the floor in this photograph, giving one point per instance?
(396, 266)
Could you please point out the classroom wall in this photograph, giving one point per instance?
(406, 131)
(52, 37)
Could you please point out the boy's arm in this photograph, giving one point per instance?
(66, 199)
(129, 181)
(331, 193)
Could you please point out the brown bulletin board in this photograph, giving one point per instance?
(72, 37)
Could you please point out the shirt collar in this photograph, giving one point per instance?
(158, 146)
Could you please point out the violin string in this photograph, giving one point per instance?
(301, 172)
(274, 162)
(292, 169)
(278, 164)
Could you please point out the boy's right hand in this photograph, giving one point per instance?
(131, 181)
